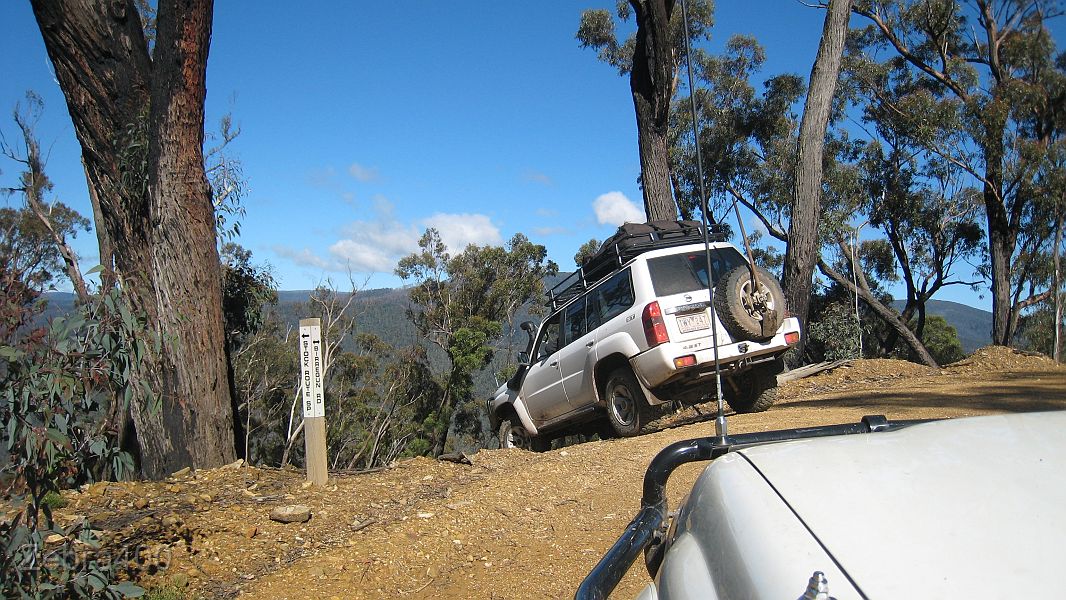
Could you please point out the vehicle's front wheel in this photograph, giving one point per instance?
(755, 390)
(514, 435)
(627, 408)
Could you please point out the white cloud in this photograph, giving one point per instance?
(458, 231)
(613, 208)
(306, 258)
(547, 231)
(361, 173)
(324, 178)
(533, 176)
(377, 244)
(363, 257)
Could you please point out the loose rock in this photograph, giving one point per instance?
(297, 513)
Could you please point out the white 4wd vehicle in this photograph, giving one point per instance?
(631, 331)
(962, 508)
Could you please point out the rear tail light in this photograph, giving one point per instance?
(654, 326)
(792, 338)
(689, 360)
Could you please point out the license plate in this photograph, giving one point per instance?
(687, 323)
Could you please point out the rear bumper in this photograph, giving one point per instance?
(655, 367)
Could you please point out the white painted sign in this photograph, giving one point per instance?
(311, 369)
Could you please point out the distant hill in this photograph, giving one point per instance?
(973, 325)
(383, 312)
(379, 311)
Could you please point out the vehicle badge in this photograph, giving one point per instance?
(817, 588)
(688, 297)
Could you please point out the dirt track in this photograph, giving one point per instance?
(512, 525)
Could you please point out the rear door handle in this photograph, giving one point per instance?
(554, 363)
(589, 344)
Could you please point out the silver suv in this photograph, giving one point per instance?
(630, 332)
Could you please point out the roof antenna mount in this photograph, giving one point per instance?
(720, 429)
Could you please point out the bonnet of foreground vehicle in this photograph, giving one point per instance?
(960, 508)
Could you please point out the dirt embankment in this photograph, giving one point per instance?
(511, 525)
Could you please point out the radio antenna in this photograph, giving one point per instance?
(719, 421)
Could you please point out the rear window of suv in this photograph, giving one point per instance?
(687, 271)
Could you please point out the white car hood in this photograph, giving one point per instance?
(961, 508)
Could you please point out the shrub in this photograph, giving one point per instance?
(835, 334)
(61, 387)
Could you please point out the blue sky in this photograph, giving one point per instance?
(363, 123)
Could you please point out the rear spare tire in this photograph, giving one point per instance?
(749, 312)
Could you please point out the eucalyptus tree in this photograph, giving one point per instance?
(980, 87)
(927, 215)
(139, 116)
(749, 141)
(39, 233)
(651, 57)
(460, 303)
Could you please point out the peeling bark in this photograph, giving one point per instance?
(140, 126)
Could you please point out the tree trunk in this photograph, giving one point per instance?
(652, 84)
(1000, 249)
(142, 136)
(802, 251)
(1057, 287)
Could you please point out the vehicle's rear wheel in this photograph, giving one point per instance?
(627, 408)
(755, 390)
(750, 312)
(514, 435)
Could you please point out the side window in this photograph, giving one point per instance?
(574, 323)
(549, 337)
(610, 299)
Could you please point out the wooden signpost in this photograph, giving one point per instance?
(312, 373)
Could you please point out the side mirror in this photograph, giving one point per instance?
(531, 331)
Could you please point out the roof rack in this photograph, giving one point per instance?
(630, 241)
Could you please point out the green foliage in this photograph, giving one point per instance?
(1036, 332)
(765, 256)
(586, 251)
(61, 387)
(132, 144)
(29, 257)
(597, 30)
(958, 92)
(942, 340)
(226, 176)
(462, 302)
(54, 500)
(747, 138)
(382, 398)
(265, 373)
(170, 591)
(835, 333)
(247, 290)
